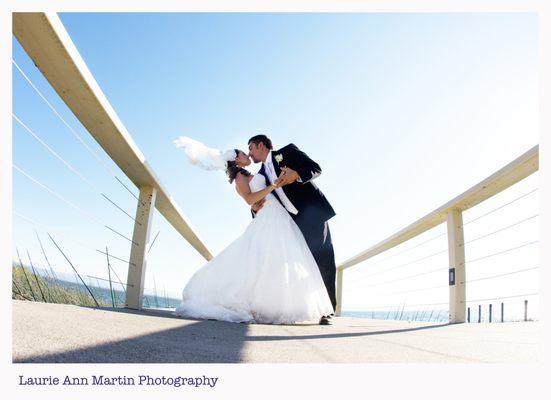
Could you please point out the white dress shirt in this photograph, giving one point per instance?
(270, 171)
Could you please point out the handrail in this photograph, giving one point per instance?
(520, 168)
(48, 44)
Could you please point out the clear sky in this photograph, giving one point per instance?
(402, 111)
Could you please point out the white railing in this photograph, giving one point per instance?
(451, 213)
(48, 44)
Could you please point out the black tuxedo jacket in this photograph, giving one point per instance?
(305, 196)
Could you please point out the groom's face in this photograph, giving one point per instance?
(257, 152)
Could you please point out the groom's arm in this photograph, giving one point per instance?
(306, 168)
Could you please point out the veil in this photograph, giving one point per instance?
(202, 156)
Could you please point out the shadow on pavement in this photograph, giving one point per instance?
(341, 334)
(198, 342)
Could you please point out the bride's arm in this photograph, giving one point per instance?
(242, 187)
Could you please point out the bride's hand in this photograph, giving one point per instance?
(258, 205)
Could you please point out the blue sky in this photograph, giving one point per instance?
(402, 111)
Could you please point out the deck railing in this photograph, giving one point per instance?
(452, 214)
(45, 40)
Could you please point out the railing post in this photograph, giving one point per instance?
(338, 309)
(456, 252)
(138, 252)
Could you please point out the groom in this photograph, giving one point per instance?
(302, 199)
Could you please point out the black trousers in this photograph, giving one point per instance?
(318, 238)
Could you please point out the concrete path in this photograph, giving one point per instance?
(47, 333)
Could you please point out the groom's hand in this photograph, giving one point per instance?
(258, 205)
(287, 176)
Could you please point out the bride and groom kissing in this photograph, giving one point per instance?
(281, 270)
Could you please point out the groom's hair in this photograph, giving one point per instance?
(261, 139)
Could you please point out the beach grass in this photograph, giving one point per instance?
(28, 285)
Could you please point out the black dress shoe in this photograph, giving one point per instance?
(325, 321)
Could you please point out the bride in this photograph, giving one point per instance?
(268, 274)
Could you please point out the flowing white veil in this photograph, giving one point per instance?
(202, 156)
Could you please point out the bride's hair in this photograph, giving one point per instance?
(232, 169)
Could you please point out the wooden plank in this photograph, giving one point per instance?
(48, 44)
(520, 168)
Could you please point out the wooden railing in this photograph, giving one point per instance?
(451, 213)
(48, 44)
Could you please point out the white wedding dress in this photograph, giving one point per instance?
(267, 275)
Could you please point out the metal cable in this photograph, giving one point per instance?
(502, 252)
(92, 216)
(410, 248)
(68, 237)
(356, 282)
(116, 258)
(107, 280)
(46, 228)
(121, 235)
(500, 207)
(503, 297)
(116, 205)
(412, 305)
(500, 275)
(406, 264)
(76, 135)
(70, 167)
(402, 279)
(409, 291)
(502, 229)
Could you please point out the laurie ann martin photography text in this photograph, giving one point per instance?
(121, 380)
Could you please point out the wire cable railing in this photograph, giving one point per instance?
(502, 206)
(502, 252)
(378, 262)
(73, 132)
(373, 291)
(68, 75)
(88, 214)
(71, 167)
(503, 297)
(501, 275)
(501, 229)
(65, 236)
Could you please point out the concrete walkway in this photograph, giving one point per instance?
(47, 333)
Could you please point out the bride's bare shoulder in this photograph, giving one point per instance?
(242, 181)
(244, 176)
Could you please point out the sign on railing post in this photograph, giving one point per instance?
(456, 252)
(138, 252)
